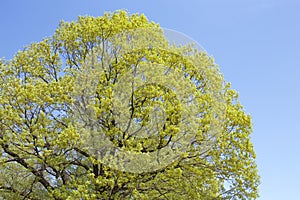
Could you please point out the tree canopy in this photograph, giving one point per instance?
(107, 108)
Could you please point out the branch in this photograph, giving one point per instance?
(22, 162)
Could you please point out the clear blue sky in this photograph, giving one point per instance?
(255, 42)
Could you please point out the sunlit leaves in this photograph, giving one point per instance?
(42, 151)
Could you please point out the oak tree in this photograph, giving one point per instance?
(107, 108)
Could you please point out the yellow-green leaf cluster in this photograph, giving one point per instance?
(43, 150)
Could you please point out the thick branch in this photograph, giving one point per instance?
(22, 162)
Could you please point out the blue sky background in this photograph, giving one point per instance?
(255, 42)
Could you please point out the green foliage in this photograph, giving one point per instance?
(44, 154)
